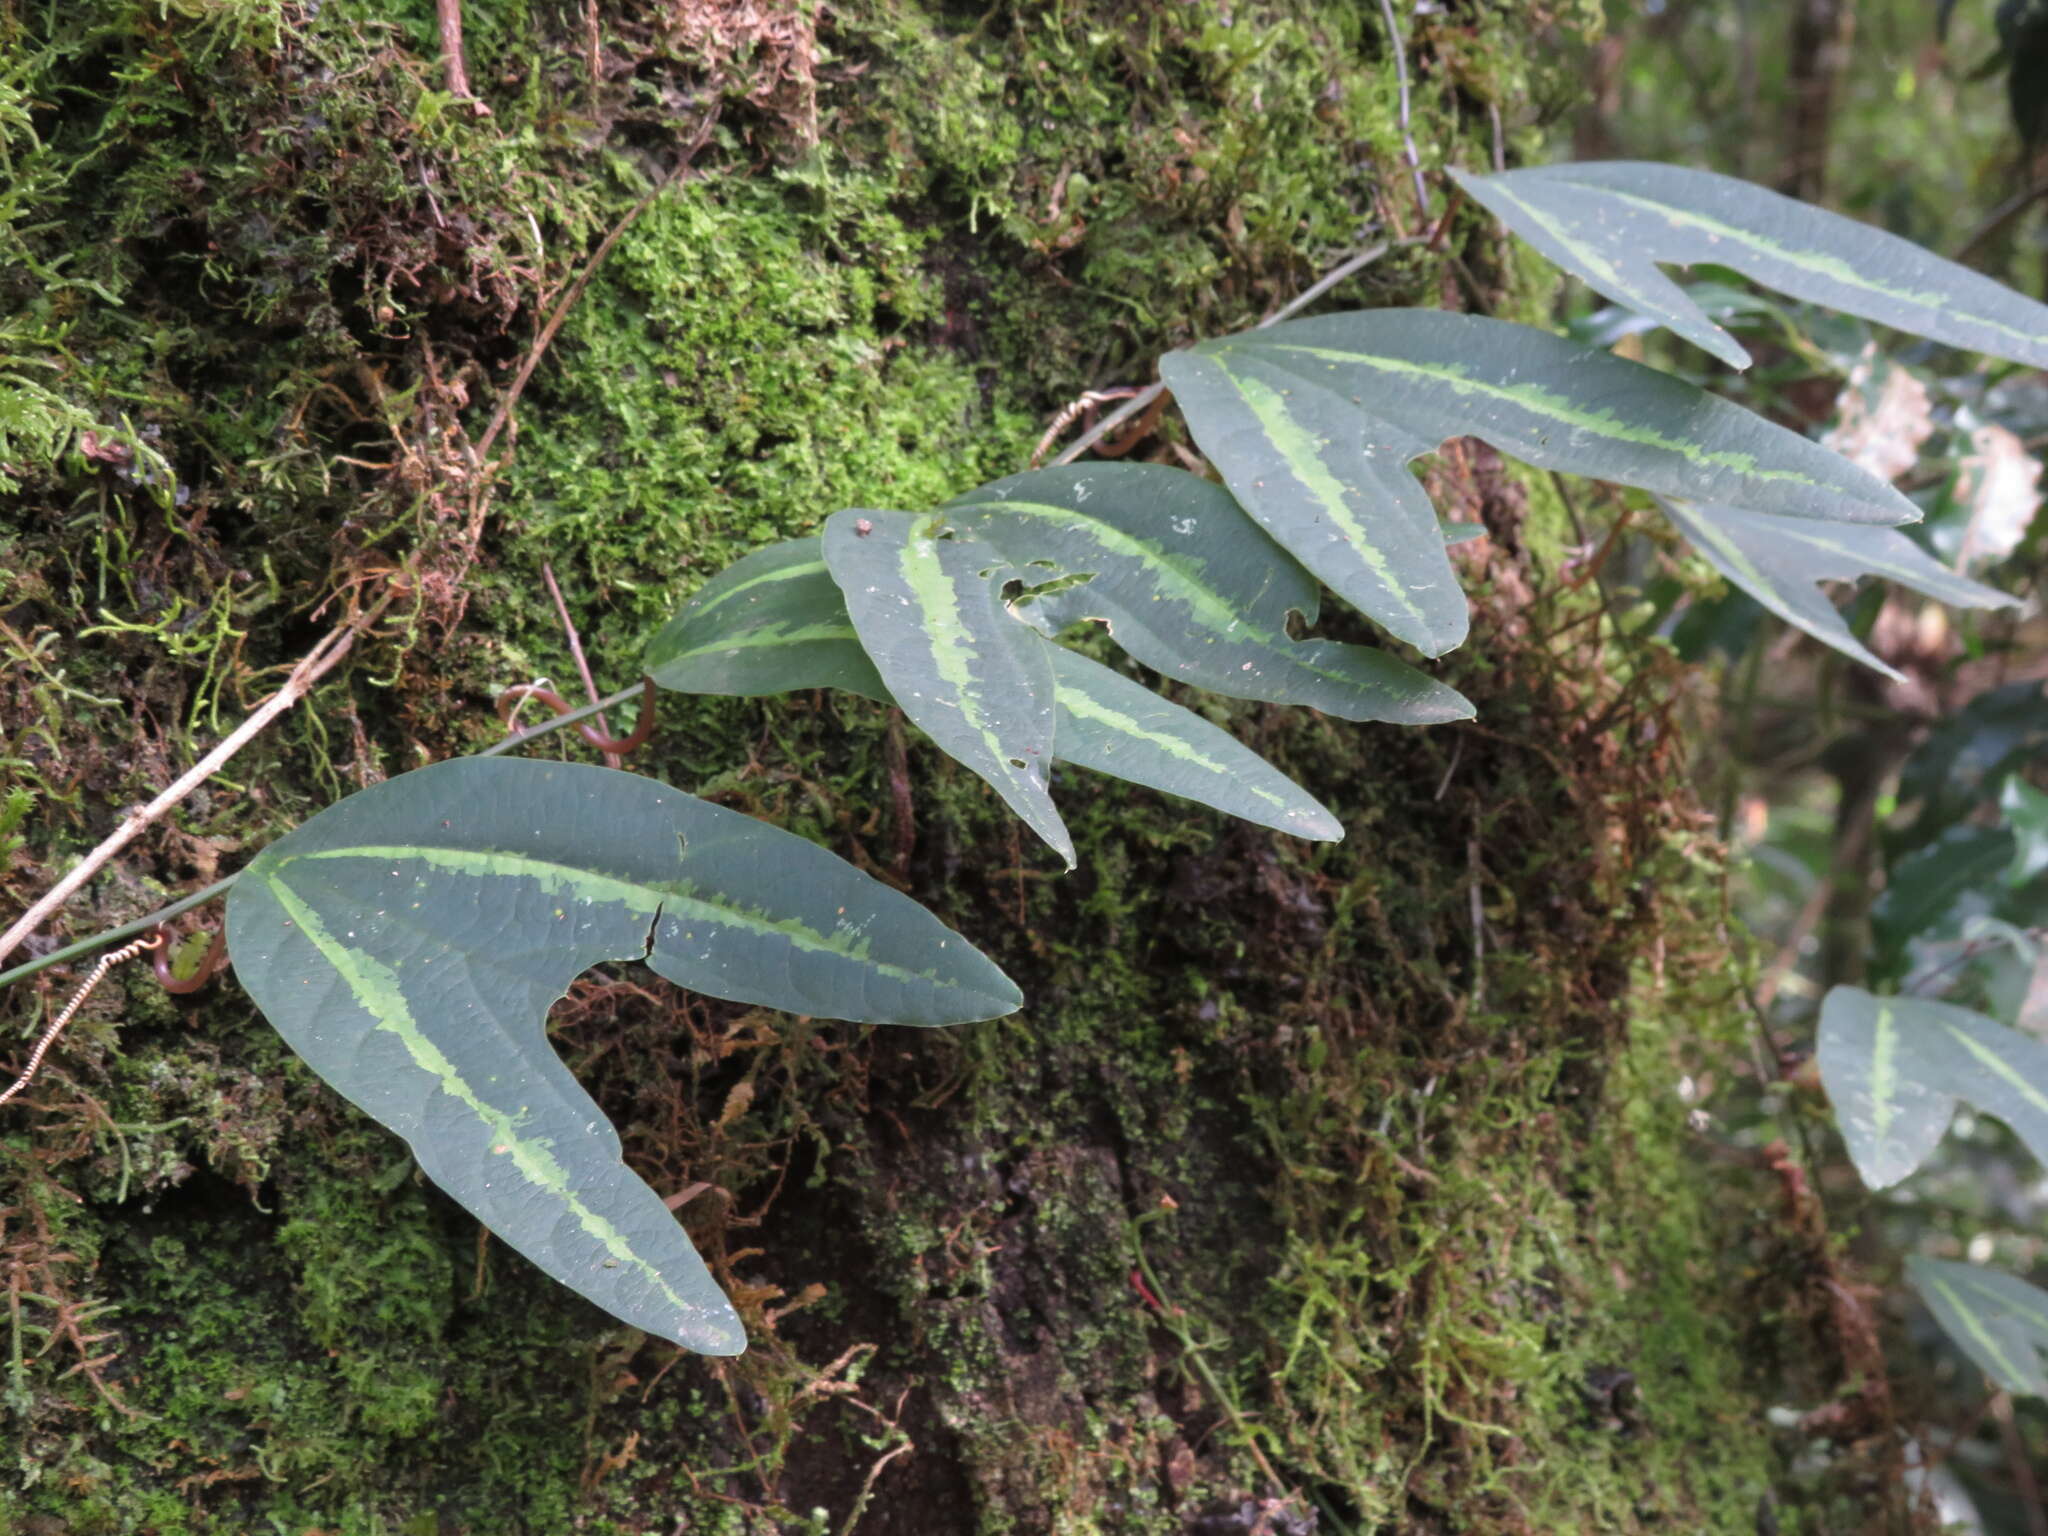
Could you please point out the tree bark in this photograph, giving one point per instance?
(1319, 1188)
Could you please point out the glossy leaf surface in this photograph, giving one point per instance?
(772, 622)
(1779, 560)
(1928, 1048)
(1189, 586)
(1999, 1321)
(408, 942)
(930, 614)
(1611, 222)
(1115, 726)
(1312, 423)
(1892, 1116)
(1106, 722)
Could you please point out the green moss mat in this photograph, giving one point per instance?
(1420, 1198)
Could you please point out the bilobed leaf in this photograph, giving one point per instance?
(1999, 1321)
(1948, 1051)
(798, 635)
(409, 941)
(1310, 421)
(772, 622)
(1190, 587)
(1891, 1115)
(1115, 726)
(1778, 561)
(1611, 222)
(927, 604)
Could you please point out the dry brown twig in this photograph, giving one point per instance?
(85, 989)
(547, 573)
(316, 664)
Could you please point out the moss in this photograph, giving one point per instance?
(1405, 1211)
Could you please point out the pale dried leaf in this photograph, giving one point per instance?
(1881, 421)
(2000, 485)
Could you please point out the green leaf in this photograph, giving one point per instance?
(1311, 421)
(1778, 561)
(929, 610)
(1932, 889)
(409, 941)
(772, 622)
(1891, 1116)
(2026, 817)
(794, 633)
(1949, 1051)
(1115, 726)
(1190, 587)
(1968, 754)
(1610, 223)
(1999, 1321)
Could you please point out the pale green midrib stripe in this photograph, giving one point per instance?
(1545, 405)
(654, 900)
(1939, 583)
(1296, 449)
(1999, 1066)
(1764, 589)
(764, 637)
(1587, 256)
(1816, 263)
(381, 997)
(787, 573)
(1883, 1071)
(1970, 1320)
(1091, 708)
(2029, 1314)
(932, 592)
(1210, 607)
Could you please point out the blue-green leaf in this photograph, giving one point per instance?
(1115, 726)
(1779, 560)
(1932, 1049)
(1610, 223)
(1892, 1116)
(1190, 587)
(409, 941)
(928, 606)
(2000, 1322)
(772, 622)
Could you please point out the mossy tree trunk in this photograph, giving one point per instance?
(1334, 1188)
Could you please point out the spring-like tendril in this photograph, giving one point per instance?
(85, 989)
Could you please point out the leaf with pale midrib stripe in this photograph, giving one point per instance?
(1611, 222)
(1191, 587)
(1779, 560)
(929, 612)
(1999, 1321)
(409, 941)
(1313, 423)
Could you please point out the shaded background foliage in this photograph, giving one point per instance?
(1320, 1188)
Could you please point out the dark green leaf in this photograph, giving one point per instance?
(2026, 818)
(1115, 726)
(1190, 587)
(1891, 1114)
(1610, 223)
(928, 606)
(1310, 422)
(1948, 1052)
(772, 622)
(2000, 1322)
(1969, 753)
(1927, 893)
(409, 941)
(1779, 560)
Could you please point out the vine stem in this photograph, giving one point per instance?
(1287, 311)
(1407, 134)
(316, 664)
(220, 887)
